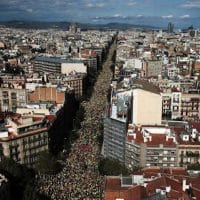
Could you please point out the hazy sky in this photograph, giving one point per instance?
(95, 11)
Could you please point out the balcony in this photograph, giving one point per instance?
(192, 154)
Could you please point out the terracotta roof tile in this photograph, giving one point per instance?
(173, 178)
(195, 182)
(158, 139)
(155, 184)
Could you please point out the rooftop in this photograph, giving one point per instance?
(172, 183)
(152, 136)
(56, 60)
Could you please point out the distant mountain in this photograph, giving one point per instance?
(117, 25)
(152, 21)
(65, 25)
(35, 24)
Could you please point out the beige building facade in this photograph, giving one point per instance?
(147, 107)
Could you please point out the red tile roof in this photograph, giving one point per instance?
(158, 139)
(113, 183)
(155, 184)
(195, 182)
(174, 195)
(178, 171)
(173, 179)
(179, 130)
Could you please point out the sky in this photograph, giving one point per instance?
(149, 12)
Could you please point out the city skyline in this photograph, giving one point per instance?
(182, 13)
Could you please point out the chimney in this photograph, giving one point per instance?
(150, 138)
(168, 188)
(139, 127)
(184, 187)
(194, 133)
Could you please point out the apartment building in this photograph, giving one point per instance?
(150, 146)
(77, 83)
(172, 71)
(45, 93)
(190, 106)
(11, 98)
(13, 80)
(47, 64)
(179, 105)
(114, 138)
(89, 58)
(152, 68)
(129, 105)
(176, 105)
(23, 137)
(188, 149)
(166, 105)
(57, 65)
(91, 63)
(73, 80)
(100, 56)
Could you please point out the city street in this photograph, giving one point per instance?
(80, 179)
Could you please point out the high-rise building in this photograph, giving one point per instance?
(73, 28)
(170, 28)
(139, 104)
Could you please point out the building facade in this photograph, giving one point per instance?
(178, 105)
(11, 98)
(44, 93)
(150, 146)
(114, 139)
(23, 138)
(152, 68)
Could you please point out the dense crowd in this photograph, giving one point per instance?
(79, 178)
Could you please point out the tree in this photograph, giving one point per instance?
(5, 191)
(19, 176)
(62, 126)
(30, 193)
(80, 114)
(112, 167)
(47, 163)
(195, 166)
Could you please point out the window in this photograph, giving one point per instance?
(13, 95)
(175, 108)
(176, 98)
(165, 152)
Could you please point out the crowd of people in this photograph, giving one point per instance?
(80, 178)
